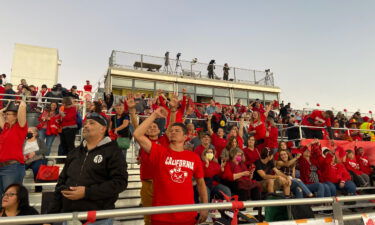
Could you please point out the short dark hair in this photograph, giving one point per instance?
(22, 196)
(266, 152)
(184, 129)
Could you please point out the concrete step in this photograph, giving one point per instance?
(132, 177)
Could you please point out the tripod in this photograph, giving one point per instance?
(178, 63)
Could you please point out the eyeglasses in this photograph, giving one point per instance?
(9, 194)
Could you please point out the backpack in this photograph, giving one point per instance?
(298, 212)
(275, 213)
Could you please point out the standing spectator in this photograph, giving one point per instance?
(97, 186)
(210, 69)
(119, 124)
(68, 117)
(272, 135)
(73, 92)
(217, 138)
(12, 137)
(318, 119)
(226, 71)
(211, 108)
(42, 93)
(364, 163)
(54, 93)
(205, 144)
(88, 86)
(9, 91)
(34, 151)
(15, 202)
(21, 85)
(3, 79)
(257, 128)
(48, 125)
(251, 152)
(174, 169)
(108, 99)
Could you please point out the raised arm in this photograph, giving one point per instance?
(2, 120)
(132, 111)
(21, 115)
(139, 133)
(240, 130)
(209, 126)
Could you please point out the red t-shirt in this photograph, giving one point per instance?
(352, 165)
(271, 140)
(219, 144)
(251, 156)
(173, 181)
(314, 116)
(364, 164)
(11, 142)
(199, 150)
(146, 169)
(260, 129)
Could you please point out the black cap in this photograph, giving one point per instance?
(98, 118)
(44, 86)
(12, 107)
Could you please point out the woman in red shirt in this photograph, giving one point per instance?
(232, 144)
(12, 137)
(251, 152)
(212, 175)
(272, 133)
(257, 128)
(68, 116)
(360, 178)
(240, 177)
(48, 126)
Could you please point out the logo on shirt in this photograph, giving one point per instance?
(98, 159)
(177, 175)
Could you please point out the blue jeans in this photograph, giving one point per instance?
(317, 188)
(348, 187)
(299, 188)
(47, 138)
(11, 174)
(99, 222)
(329, 189)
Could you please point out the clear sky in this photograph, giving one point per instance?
(320, 51)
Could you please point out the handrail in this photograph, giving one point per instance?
(177, 208)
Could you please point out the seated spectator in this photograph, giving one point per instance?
(287, 165)
(240, 178)
(48, 125)
(251, 152)
(34, 151)
(212, 175)
(15, 202)
(336, 174)
(269, 176)
(360, 178)
(364, 163)
(217, 138)
(339, 134)
(310, 176)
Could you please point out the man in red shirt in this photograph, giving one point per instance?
(12, 137)
(88, 86)
(318, 119)
(173, 172)
(146, 168)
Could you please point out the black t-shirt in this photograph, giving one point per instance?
(267, 168)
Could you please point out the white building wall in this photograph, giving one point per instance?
(38, 65)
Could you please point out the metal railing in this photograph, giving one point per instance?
(335, 201)
(128, 60)
(300, 130)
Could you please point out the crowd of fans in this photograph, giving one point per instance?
(223, 149)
